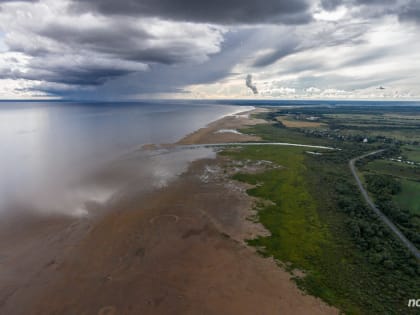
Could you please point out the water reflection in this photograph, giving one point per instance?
(50, 153)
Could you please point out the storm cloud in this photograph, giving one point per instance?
(89, 50)
(216, 11)
(138, 48)
(410, 12)
(333, 4)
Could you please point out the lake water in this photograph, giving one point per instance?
(48, 150)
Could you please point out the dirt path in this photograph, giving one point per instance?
(224, 144)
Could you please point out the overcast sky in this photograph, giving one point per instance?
(132, 49)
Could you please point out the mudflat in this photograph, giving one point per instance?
(178, 249)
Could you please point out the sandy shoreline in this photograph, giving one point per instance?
(225, 129)
(175, 250)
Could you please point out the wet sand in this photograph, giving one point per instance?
(174, 250)
(216, 131)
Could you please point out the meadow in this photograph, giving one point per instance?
(409, 197)
(293, 122)
(411, 152)
(397, 169)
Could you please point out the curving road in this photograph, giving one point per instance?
(255, 143)
(410, 246)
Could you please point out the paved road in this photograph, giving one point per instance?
(413, 249)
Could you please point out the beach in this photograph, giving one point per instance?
(178, 248)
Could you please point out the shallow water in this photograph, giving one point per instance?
(50, 152)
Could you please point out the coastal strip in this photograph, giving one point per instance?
(178, 249)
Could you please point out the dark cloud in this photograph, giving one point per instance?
(88, 76)
(5, 1)
(161, 78)
(90, 70)
(333, 4)
(215, 11)
(410, 12)
(123, 41)
(91, 51)
(110, 48)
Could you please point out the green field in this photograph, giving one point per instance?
(281, 134)
(296, 229)
(396, 169)
(412, 152)
(375, 123)
(320, 225)
(409, 197)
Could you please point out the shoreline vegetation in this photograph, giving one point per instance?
(259, 229)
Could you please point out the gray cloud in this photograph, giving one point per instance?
(319, 66)
(287, 48)
(215, 11)
(5, 1)
(161, 78)
(327, 35)
(90, 75)
(410, 12)
(108, 48)
(333, 4)
(405, 10)
(127, 41)
(94, 49)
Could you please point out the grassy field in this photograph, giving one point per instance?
(408, 176)
(320, 225)
(401, 124)
(409, 197)
(412, 152)
(296, 229)
(290, 122)
(281, 134)
(396, 169)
